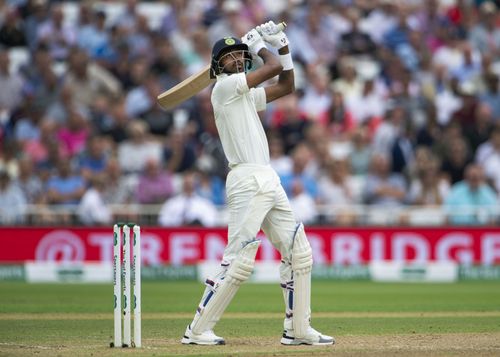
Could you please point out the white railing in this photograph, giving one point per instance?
(348, 215)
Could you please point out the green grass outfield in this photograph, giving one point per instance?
(367, 319)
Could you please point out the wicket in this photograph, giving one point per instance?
(121, 283)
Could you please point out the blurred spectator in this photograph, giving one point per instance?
(188, 208)
(93, 209)
(491, 95)
(303, 205)
(402, 151)
(12, 29)
(383, 188)
(73, 134)
(388, 131)
(88, 80)
(348, 84)
(428, 188)
(381, 20)
(64, 105)
(356, 42)
(178, 152)
(120, 188)
(488, 156)
(211, 187)
(29, 183)
(359, 157)
(280, 162)
(485, 34)
(12, 201)
(481, 128)
(9, 157)
(11, 84)
(338, 190)
(471, 201)
(338, 119)
(65, 189)
(93, 160)
(290, 121)
(369, 105)
(155, 184)
(138, 148)
(39, 148)
(301, 157)
(456, 158)
(57, 34)
(317, 96)
(35, 13)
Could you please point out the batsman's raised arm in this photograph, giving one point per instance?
(279, 40)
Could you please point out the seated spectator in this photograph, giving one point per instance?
(382, 187)
(301, 157)
(138, 148)
(93, 209)
(155, 184)
(121, 187)
(456, 158)
(93, 160)
(188, 208)
(491, 96)
(65, 189)
(291, 123)
(58, 34)
(178, 152)
(211, 186)
(471, 201)
(88, 79)
(38, 149)
(29, 183)
(74, 133)
(303, 205)
(8, 157)
(428, 187)
(359, 158)
(338, 190)
(12, 201)
(488, 156)
(12, 29)
(11, 84)
(280, 162)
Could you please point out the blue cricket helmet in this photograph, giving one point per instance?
(223, 46)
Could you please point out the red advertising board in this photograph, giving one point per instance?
(344, 246)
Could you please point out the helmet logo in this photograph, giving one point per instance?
(229, 41)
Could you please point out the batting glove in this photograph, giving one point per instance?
(254, 41)
(272, 35)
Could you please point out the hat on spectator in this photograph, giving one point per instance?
(488, 7)
(232, 6)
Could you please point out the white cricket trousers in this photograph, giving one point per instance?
(257, 200)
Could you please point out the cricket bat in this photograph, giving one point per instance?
(191, 85)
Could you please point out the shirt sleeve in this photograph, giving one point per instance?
(259, 98)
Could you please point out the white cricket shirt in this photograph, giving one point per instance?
(240, 129)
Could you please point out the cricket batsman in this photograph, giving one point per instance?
(255, 196)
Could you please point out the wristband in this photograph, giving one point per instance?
(257, 47)
(286, 61)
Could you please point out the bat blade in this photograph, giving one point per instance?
(186, 89)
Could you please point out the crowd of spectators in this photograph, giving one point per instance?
(397, 104)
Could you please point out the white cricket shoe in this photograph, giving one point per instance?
(205, 338)
(312, 337)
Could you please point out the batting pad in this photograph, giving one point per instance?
(240, 270)
(302, 265)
